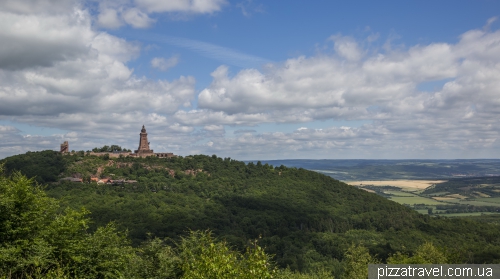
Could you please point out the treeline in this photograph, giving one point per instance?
(43, 166)
(466, 208)
(112, 148)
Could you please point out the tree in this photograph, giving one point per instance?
(36, 240)
(203, 257)
(425, 254)
(356, 260)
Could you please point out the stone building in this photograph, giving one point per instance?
(65, 147)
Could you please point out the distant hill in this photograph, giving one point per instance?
(304, 218)
(359, 169)
(44, 166)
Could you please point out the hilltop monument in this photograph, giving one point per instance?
(143, 149)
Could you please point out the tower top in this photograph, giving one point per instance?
(143, 130)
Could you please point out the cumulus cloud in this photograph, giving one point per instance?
(20, 33)
(77, 79)
(37, 6)
(382, 87)
(109, 18)
(388, 80)
(114, 14)
(346, 47)
(137, 18)
(164, 64)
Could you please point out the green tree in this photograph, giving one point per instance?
(425, 254)
(203, 257)
(356, 260)
(37, 241)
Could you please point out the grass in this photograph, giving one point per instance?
(422, 211)
(489, 200)
(414, 200)
(438, 194)
(399, 193)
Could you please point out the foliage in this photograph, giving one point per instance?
(43, 166)
(425, 254)
(112, 148)
(202, 257)
(356, 260)
(36, 240)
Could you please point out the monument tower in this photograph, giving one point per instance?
(143, 149)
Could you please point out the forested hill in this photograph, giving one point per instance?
(306, 219)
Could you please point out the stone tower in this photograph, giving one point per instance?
(64, 147)
(143, 149)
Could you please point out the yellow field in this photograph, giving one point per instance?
(456, 196)
(404, 184)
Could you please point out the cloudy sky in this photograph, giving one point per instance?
(253, 79)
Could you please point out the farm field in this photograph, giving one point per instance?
(467, 197)
(415, 200)
(409, 185)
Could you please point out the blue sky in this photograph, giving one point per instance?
(253, 79)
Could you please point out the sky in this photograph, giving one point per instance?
(253, 79)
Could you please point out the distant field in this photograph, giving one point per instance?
(414, 200)
(410, 193)
(399, 193)
(404, 184)
(490, 200)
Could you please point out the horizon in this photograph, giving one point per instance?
(249, 79)
(290, 159)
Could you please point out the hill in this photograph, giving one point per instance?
(306, 219)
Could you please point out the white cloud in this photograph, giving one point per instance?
(346, 47)
(37, 6)
(20, 34)
(115, 13)
(188, 6)
(164, 64)
(381, 87)
(137, 18)
(109, 18)
(321, 84)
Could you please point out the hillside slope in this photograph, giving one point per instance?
(304, 218)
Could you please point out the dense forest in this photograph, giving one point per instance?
(307, 224)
